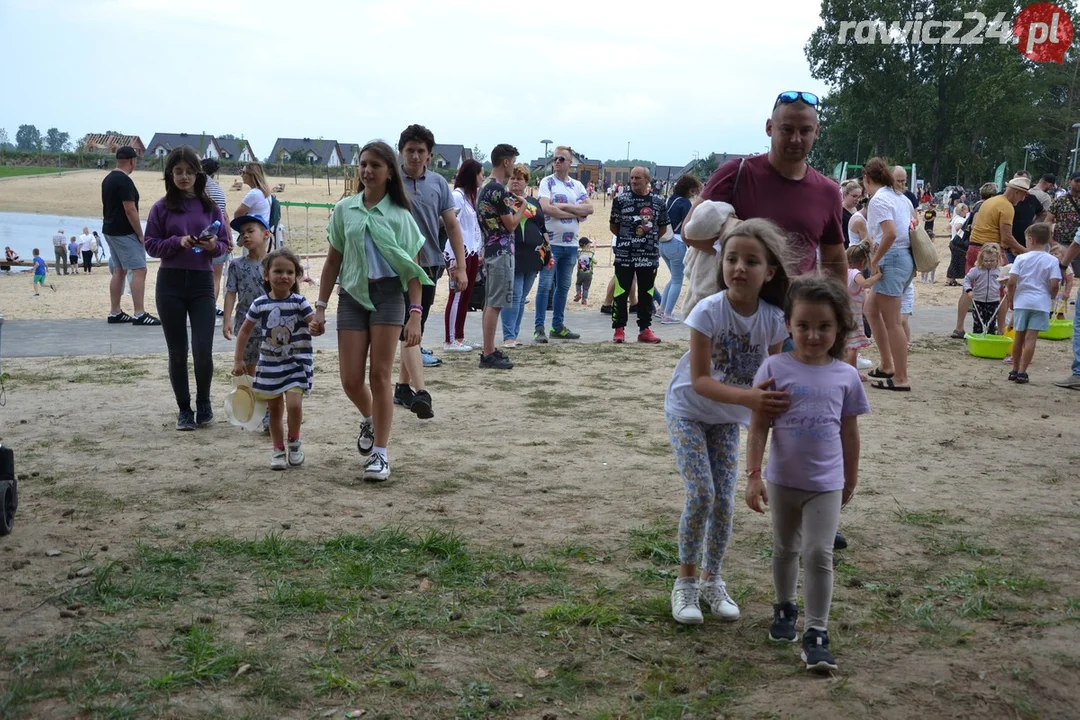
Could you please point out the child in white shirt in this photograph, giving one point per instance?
(1033, 284)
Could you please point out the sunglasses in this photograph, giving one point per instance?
(791, 96)
(561, 159)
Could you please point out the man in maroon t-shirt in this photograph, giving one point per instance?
(783, 188)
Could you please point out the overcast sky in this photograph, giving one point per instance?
(670, 78)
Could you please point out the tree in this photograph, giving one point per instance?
(227, 136)
(479, 155)
(3, 139)
(27, 137)
(633, 163)
(56, 141)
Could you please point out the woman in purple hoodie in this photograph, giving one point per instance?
(179, 231)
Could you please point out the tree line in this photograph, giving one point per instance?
(28, 137)
(956, 110)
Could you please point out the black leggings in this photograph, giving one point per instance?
(184, 294)
(624, 276)
(87, 259)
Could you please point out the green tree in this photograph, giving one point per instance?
(479, 155)
(27, 137)
(56, 141)
(3, 141)
(227, 136)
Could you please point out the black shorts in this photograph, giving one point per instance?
(427, 298)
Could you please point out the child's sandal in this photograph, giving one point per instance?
(1021, 378)
(1012, 375)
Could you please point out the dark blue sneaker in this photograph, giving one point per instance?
(783, 624)
(185, 420)
(815, 651)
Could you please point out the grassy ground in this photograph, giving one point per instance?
(165, 602)
(15, 171)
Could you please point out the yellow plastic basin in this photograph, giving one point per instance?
(994, 347)
(1059, 330)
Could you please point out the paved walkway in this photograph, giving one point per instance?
(65, 338)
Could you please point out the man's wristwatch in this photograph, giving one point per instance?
(321, 304)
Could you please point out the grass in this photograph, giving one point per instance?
(18, 171)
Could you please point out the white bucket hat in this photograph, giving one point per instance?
(242, 407)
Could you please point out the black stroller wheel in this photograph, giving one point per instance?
(8, 505)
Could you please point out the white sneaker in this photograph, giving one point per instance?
(365, 441)
(377, 468)
(714, 591)
(278, 460)
(864, 363)
(296, 453)
(669, 320)
(684, 603)
(458, 346)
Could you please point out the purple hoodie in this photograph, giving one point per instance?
(164, 229)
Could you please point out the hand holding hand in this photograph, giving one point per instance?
(317, 324)
(757, 496)
(771, 402)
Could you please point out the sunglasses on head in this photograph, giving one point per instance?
(790, 96)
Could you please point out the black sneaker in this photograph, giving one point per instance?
(495, 361)
(815, 651)
(783, 624)
(421, 405)
(204, 414)
(219, 312)
(539, 336)
(564, 333)
(403, 395)
(605, 309)
(365, 441)
(185, 420)
(120, 317)
(145, 319)
(839, 542)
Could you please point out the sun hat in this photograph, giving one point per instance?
(242, 407)
(1019, 183)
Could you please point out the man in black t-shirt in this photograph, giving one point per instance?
(1027, 212)
(123, 232)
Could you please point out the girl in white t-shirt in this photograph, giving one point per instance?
(711, 395)
(257, 200)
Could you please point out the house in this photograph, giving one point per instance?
(315, 152)
(449, 157)
(205, 146)
(350, 153)
(582, 168)
(236, 149)
(109, 143)
(617, 174)
(670, 173)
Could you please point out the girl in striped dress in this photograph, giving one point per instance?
(285, 368)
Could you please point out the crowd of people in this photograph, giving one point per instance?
(806, 277)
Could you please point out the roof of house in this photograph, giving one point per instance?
(234, 146)
(170, 141)
(453, 154)
(347, 149)
(322, 148)
(668, 173)
(547, 164)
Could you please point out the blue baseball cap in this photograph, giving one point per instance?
(245, 219)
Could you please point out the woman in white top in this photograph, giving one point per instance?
(86, 249)
(957, 245)
(889, 219)
(857, 231)
(257, 201)
(466, 187)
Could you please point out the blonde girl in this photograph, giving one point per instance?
(285, 368)
(711, 394)
(858, 259)
(983, 285)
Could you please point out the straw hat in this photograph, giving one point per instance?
(242, 407)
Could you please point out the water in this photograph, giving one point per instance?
(25, 231)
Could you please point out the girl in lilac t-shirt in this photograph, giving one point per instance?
(813, 460)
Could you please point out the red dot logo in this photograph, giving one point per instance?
(1043, 32)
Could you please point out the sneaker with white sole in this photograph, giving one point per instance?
(377, 469)
(714, 593)
(684, 602)
(669, 320)
(365, 441)
(296, 453)
(278, 460)
(782, 629)
(458, 346)
(815, 651)
(864, 363)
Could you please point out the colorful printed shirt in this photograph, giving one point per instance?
(564, 231)
(493, 203)
(1066, 212)
(586, 261)
(640, 218)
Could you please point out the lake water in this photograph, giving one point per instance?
(25, 231)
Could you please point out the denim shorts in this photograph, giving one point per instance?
(897, 272)
(222, 259)
(1038, 320)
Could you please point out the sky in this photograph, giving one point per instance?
(674, 80)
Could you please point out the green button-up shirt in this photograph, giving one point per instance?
(397, 238)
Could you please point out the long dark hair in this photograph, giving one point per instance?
(174, 196)
(685, 185)
(466, 179)
(395, 188)
(826, 290)
(778, 255)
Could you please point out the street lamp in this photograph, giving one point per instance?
(545, 143)
(1027, 149)
(1076, 148)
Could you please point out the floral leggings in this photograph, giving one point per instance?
(707, 457)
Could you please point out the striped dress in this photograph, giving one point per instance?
(285, 356)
